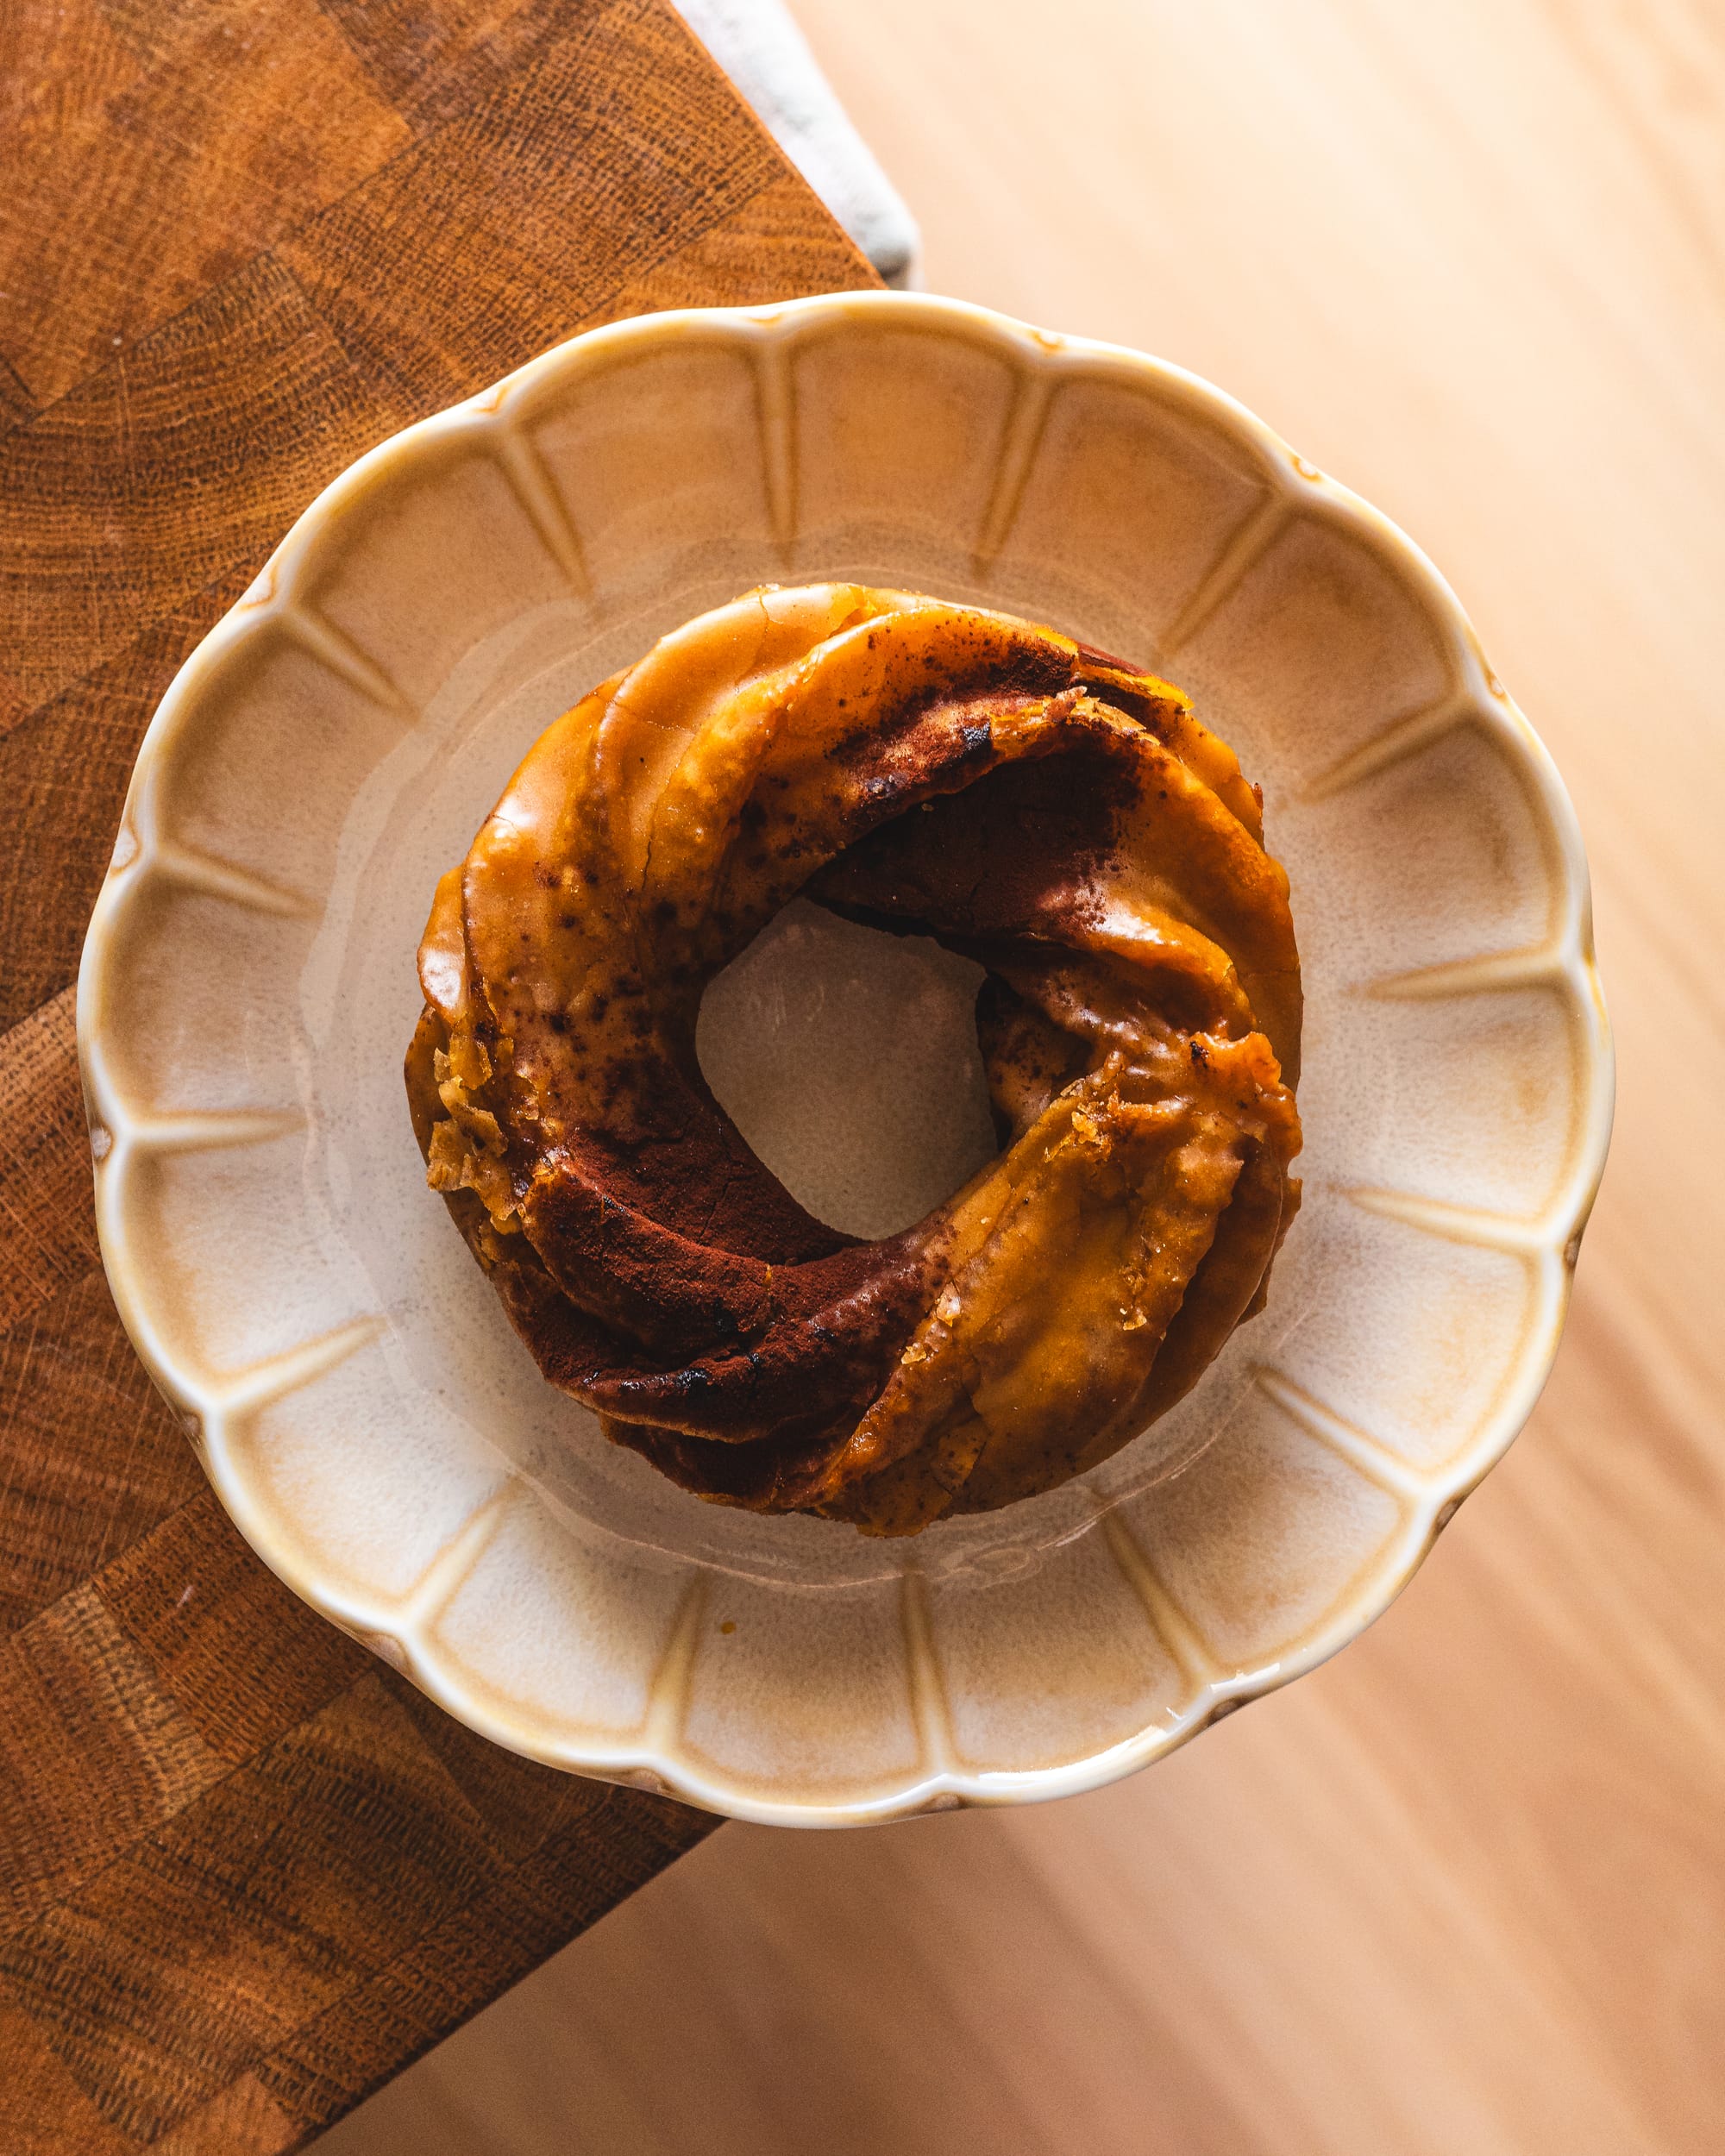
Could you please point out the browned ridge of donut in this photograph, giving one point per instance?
(926, 768)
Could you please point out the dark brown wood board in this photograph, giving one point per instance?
(246, 1872)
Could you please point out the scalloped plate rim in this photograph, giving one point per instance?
(1552, 1242)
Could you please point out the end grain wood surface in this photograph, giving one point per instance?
(1461, 1892)
(245, 1871)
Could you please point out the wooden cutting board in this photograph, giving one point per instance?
(246, 1872)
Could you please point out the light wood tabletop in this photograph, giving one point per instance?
(1464, 1889)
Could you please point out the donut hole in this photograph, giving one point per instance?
(849, 1060)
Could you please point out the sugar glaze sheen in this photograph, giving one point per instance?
(1028, 802)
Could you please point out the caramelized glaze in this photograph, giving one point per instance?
(924, 767)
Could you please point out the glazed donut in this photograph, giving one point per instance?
(926, 768)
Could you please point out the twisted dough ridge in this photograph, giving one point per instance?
(925, 767)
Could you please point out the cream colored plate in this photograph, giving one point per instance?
(360, 1403)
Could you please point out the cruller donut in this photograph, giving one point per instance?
(927, 769)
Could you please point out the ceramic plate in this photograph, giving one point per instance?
(358, 1401)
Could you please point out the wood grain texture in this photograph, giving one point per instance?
(1463, 1890)
(245, 1872)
